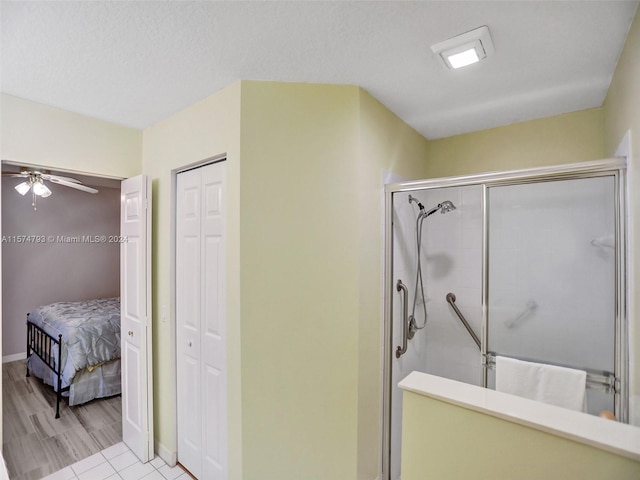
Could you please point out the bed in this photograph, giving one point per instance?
(75, 347)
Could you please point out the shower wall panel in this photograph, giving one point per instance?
(552, 273)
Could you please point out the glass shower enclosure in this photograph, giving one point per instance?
(530, 265)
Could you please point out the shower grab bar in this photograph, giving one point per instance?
(600, 380)
(451, 300)
(401, 287)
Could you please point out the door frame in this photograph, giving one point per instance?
(172, 285)
(62, 170)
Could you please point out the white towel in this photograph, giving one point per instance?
(564, 387)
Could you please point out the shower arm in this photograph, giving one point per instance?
(401, 287)
(451, 300)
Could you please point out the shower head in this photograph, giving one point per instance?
(444, 207)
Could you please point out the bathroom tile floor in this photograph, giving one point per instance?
(119, 463)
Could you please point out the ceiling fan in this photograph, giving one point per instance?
(34, 181)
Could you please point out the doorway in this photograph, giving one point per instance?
(95, 272)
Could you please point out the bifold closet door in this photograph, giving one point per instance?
(200, 321)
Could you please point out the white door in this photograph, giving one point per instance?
(135, 316)
(200, 311)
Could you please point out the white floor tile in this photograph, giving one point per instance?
(171, 473)
(115, 450)
(123, 460)
(64, 474)
(99, 472)
(119, 463)
(88, 463)
(136, 471)
(155, 475)
(157, 462)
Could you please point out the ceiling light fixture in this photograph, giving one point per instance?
(23, 188)
(40, 189)
(36, 186)
(465, 49)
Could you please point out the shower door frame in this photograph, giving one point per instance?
(615, 167)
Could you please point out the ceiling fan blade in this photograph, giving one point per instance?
(22, 175)
(77, 186)
(56, 178)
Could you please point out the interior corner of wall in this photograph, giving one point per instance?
(169, 456)
(624, 147)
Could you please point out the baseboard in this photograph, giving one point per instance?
(14, 357)
(169, 457)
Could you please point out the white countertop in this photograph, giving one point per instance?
(598, 432)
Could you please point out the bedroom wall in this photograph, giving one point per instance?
(36, 274)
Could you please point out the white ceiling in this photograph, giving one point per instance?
(137, 62)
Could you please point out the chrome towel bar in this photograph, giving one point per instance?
(600, 380)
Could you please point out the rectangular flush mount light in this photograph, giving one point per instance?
(465, 49)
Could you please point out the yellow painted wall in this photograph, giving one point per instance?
(444, 441)
(569, 138)
(37, 134)
(206, 129)
(622, 114)
(386, 145)
(313, 160)
(299, 264)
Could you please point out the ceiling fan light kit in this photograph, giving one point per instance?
(35, 183)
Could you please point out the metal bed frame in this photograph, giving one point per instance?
(43, 345)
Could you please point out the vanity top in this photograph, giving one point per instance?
(598, 432)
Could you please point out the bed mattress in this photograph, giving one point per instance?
(90, 333)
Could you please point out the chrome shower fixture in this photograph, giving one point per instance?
(414, 199)
(444, 207)
(447, 206)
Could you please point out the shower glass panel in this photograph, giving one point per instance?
(552, 275)
(451, 262)
(536, 261)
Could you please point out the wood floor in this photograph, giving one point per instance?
(35, 443)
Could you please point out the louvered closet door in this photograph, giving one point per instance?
(200, 310)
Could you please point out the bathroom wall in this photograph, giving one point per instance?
(304, 274)
(313, 158)
(205, 129)
(568, 138)
(447, 441)
(622, 115)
